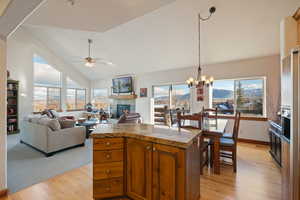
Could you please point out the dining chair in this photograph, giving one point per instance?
(228, 146)
(204, 145)
(214, 111)
(228, 134)
(211, 113)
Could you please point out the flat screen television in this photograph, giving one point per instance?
(122, 85)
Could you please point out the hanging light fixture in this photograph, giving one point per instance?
(201, 79)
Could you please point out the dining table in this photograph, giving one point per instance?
(212, 129)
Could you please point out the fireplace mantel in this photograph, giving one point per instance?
(123, 97)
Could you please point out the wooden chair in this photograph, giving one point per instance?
(230, 144)
(214, 111)
(204, 145)
(211, 113)
(160, 115)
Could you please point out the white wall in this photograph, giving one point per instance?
(21, 47)
(268, 67)
(3, 159)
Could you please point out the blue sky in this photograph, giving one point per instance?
(224, 84)
(229, 84)
(163, 90)
(38, 59)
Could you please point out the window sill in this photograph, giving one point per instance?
(242, 118)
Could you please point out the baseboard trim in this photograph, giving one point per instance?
(3, 193)
(253, 141)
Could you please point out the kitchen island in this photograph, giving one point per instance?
(145, 162)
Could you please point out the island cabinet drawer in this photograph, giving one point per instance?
(108, 188)
(108, 170)
(108, 156)
(108, 143)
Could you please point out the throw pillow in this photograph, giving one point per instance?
(53, 124)
(67, 123)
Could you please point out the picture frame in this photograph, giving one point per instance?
(143, 92)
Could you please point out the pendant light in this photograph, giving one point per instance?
(201, 79)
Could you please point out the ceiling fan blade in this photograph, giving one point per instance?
(105, 62)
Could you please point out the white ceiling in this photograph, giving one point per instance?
(12, 13)
(165, 38)
(92, 15)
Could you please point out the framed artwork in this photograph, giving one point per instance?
(143, 92)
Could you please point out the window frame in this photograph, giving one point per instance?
(171, 85)
(46, 86)
(47, 97)
(246, 116)
(76, 104)
(93, 93)
(104, 98)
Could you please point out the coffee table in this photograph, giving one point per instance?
(89, 124)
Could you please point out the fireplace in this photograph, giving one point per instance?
(121, 108)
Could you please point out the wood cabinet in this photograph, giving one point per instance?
(297, 17)
(168, 170)
(152, 171)
(285, 170)
(108, 168)
(288, 36)
(139, 169)
(286, 82)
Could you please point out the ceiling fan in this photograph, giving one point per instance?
(90, 61)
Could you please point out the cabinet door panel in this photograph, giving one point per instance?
(139, 169)
(285, 171)
(168, 173)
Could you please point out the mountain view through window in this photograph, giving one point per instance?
(245, 95)
(172, 96)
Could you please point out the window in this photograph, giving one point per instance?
(100, 98)
(76, 96)
(47, 86)
(180, 96)
(173, 96)
(244, 95)
(161, 95)
(223, 96)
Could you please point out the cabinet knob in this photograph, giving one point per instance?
(108, 171)
(107, 189)
(107, 143)
(108, 156)
(148, 147)
(154, 149)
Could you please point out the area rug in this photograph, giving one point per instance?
(26, 166)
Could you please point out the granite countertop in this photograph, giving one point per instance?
(146, 132)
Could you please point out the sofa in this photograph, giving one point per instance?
(49, 141)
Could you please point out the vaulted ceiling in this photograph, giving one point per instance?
(13, 12)
(92, 15)
(141, 36)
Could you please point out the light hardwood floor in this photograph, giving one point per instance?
(257, 178)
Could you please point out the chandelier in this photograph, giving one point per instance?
(201, 80)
